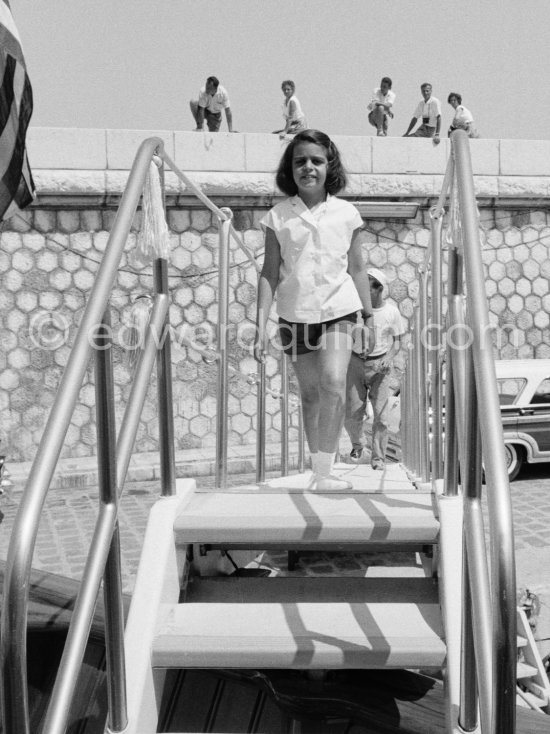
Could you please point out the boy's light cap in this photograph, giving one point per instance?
(378, 275)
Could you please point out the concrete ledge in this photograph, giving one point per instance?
(69, 162)
(72, 148)
(104, 187)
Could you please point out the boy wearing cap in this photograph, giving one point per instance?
(369, 373)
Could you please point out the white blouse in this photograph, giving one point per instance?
(298, 115)
(314, 283)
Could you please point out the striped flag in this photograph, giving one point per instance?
(16, 184)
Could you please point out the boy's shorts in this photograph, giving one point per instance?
(297, 338)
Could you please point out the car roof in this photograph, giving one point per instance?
(527, 368)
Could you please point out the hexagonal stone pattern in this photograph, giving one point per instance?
(48, 265)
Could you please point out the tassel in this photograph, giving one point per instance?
(153, 240)
(139, 321)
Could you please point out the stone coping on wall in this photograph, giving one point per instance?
(83, 167)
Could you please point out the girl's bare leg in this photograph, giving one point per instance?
(322, 379)
(306, 368)
(334, 357)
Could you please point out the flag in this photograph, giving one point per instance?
(16, 184)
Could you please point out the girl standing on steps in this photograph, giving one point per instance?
(313, 260)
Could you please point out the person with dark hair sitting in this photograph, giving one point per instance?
(295, 120)
(429, 111)
(380, 106)
(463, 119)
(213, 98)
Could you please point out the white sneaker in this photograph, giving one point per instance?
(329, 483)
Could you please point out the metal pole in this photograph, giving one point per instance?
(138, 391)
(451, 442)
(164, 389)
(301, 441)
(403, 436)
(223, 320)
(423, 416)
(164, 379)
(498, 489)
(435, 366)
(108, 494)
(413, 390)
(467, 714)
(284, 415)
(478, 574)
(260, 425)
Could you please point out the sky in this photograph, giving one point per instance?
(136, 63)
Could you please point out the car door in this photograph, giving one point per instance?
(534, 420)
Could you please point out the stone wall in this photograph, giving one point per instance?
(49, 257)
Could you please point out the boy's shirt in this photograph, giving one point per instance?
(387, 324)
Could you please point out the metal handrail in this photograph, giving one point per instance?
(473, 427)
(498, 491)
(221, 214)
(104, 556)
(13, 651)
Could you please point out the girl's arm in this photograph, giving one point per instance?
(269, 279)
(358, 271)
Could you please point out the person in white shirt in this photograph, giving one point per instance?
(295, 120)
(313, 261)
(380, 106)
(463, 119)
(213, 98)
(429, 111)
(369, 373)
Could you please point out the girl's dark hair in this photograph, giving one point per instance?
(454, 94)
(336, 175)
(290, 83)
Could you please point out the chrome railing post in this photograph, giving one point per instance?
(436, 330)
(414, 390)
(108, 494)
(260, 424)
(284, 414)
(450, 473)
(467, 713)
(164, 379)
(498, 489)
(223, 361)
(301, 441)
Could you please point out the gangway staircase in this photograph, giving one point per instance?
(451, 611)
(197, 618)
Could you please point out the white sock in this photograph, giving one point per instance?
(314, 458)
(325, 461)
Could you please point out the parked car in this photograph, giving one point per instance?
(524, 389)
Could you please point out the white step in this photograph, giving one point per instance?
(257, 519)
(525, 671)
(330, 623)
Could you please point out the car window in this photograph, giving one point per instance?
(509, 389)
(542, 393)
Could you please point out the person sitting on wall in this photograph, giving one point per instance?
(463, 119)
(429, 111)
(380, 106)
(295, 120)
(213, 98)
